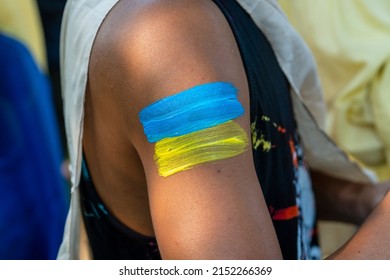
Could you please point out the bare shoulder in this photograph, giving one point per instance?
(155, 20)
(145, 27)
(147, 50)
(158, 43)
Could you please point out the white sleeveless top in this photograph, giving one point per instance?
(81, 21)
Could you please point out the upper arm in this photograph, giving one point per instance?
(214, 209)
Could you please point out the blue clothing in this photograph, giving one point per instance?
(33, 201)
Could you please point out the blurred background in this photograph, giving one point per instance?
(350, 40)
(33, 181)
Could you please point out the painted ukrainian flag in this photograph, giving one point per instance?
(195, 126)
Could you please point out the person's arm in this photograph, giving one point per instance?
(215, 209)
(367, 205)
(371, 241)
(345, 201)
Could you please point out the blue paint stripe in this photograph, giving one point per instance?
(191, 110)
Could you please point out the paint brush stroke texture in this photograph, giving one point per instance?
(197, 108)
(219, 142)
(194, 127)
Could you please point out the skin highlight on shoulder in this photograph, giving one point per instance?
(162, 44)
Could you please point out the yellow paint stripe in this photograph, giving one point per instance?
(180, 153)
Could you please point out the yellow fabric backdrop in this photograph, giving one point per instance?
(350, 40)
(20, 19)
